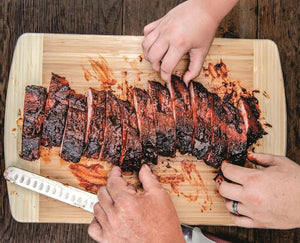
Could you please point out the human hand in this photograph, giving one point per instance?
(189, 27)
(267, 197)
(125, 215)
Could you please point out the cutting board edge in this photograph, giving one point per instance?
(29, 34)
(271, 59)
(17, 195)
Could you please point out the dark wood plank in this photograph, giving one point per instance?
(278, 21)
(137, 14)
(241, 22)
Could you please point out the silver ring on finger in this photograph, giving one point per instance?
(234, 208)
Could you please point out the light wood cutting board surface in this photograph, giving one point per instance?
(255, 63)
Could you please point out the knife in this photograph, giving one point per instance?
(76, 197)
(51, 188)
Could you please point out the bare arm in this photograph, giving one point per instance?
(189, 27)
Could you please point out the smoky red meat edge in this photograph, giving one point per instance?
(168, 118)
(34, 106)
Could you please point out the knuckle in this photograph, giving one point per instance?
(101, 191)
(96, 208)
(165, 69)
(153, 56)
(155, 67)
(146, 29)
(253, 178)
(145, 44)
(123, 201)
(254, 200)
(221, 189)
(163, 192)
(180, 42)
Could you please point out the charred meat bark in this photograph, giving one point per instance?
(95, 123)
(202, 120)
(131, 154)
(55, 112)
(250, 113)
(112, 144)
(34, 106)
(236, 135)
(165, 123)
(182, 114)
(73, 138)
(146, 124)
(218, 127)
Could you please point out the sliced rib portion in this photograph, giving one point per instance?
(250, 113)
(73, 138)
(165, 123)
(182, 114)
(202, 120)
(55, 111)
(112, 144)
(96, 122)
(218, 151)
(131, 154)
(236, 134)
(146, 124)
(34, 106)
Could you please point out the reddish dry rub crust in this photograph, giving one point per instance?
(236, 135)
(165, 123)
(73, 138)
(112, 144)
(146, 124)
(55, 112)
(182, 113)
(218, 151)
(219, 128)
(96, 103)
(34, 106)
(251, 113)
(131, 154)
(202, 119)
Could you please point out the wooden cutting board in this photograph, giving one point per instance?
(255, 63)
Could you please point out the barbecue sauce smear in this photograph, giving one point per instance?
(90, 177)
(179, 173)
(100, 71)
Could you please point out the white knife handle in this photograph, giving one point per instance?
(50, 188)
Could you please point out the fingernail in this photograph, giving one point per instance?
(147, 167)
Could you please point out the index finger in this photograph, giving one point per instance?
(235, 173)
(116, 184)
(169, 62)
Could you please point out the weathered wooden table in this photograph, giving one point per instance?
(275, 20)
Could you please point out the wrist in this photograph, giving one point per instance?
(216, 9)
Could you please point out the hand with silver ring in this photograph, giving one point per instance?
(268, 197)
(234, 208)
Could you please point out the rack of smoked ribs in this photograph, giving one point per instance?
(161, 121)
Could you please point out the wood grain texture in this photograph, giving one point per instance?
(143, 14)
(253, 62)
(278, 21)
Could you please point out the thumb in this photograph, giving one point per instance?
(196, 63)
(262, 159)
(147, 179)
